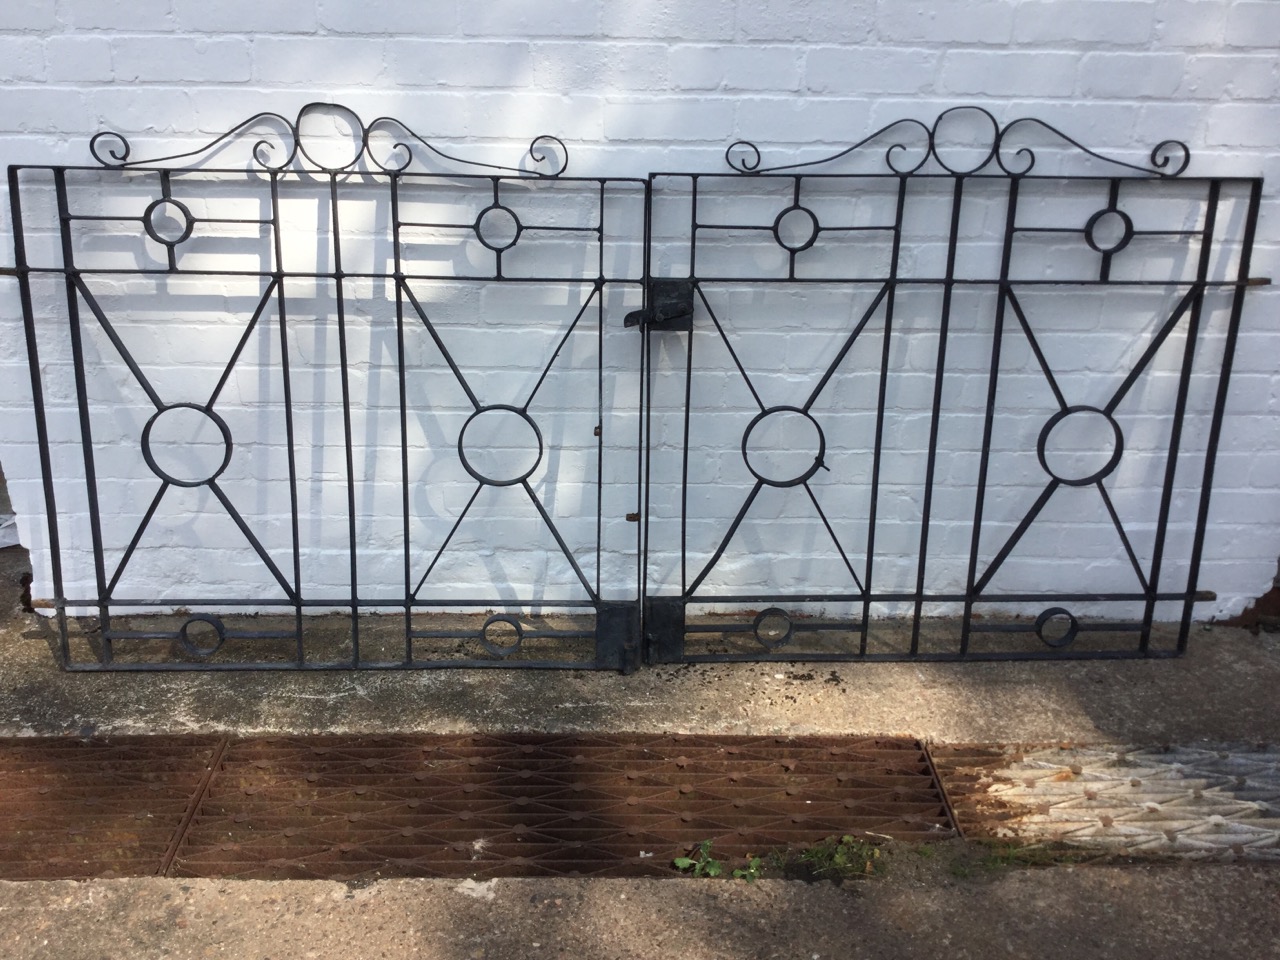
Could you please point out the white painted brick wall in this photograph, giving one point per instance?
(662, 84)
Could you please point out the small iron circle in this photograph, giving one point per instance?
(499, 649)
(1056, 613)
(1112, 462)
(810, 469)
(153, 220)
(765, 636)
(149, 456)
(803, 221)
(494, 224)
(519, 476)
(194, 649)
(986, 148)
(1098, 223)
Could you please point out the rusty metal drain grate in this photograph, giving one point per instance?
(469, 805)
(74, 808)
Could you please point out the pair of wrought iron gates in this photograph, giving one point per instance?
(942, 395)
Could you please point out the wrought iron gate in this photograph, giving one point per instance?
(873, 402)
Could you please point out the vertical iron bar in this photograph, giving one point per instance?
(404, 421)
(286, 383)
(42, 427)
(1113, 198)
(345, 379)
(944, 324)
(993, 381)
(644, 430)
(881, 397)
(600, 287)
(1219, 408)
(82, 402)
(688, 398)
(1180, 406)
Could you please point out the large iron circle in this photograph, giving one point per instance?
(477, 444)
(796, 228)
(1080, 418)
(1109, 230)
(799, 466)
(171, 436)
(960, 116)
(331, 136)
(498, 227)
(1057, 615)
(773, 628)
(196, 649)
(492, 645)
(163, 216)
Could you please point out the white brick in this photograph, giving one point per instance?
(826, 21)
(913, 21)
(50, 109)
(1130, 76)
(174, 59)
(27, 15)
(24, 58)
(980, 72)
(565, 67)
(669, 119)
(466, 63)
(424, 18)
(353, 61)
(244, 16)
(1229, 77)
(843, 71)
(735, 68)
(1190, 23)
(778, 120)
(79, 57)
(668, 19)
(1244, 125)
(1255, 24)
(517, 18)
(1110, 22)
(131, 15)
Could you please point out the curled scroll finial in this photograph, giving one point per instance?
(743, 156)
(117, 155)
(546, 149)
(1170, 157)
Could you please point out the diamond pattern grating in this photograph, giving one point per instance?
(445, 806)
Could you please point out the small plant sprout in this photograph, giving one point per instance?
(750, 872)
(700, 862)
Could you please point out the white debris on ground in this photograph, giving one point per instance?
(1200, 803)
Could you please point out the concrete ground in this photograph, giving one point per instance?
(949, 900)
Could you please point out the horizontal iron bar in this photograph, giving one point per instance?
(945, 597)
(117, 667)
(932, 657)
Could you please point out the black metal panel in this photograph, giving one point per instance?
(410, 405)
(915, 373)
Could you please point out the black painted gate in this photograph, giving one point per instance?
(955, 392)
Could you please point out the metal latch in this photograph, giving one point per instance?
(670, 307)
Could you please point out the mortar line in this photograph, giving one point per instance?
(193, 807)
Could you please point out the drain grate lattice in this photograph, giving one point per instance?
(356, 807)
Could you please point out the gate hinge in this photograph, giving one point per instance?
(670, 307)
